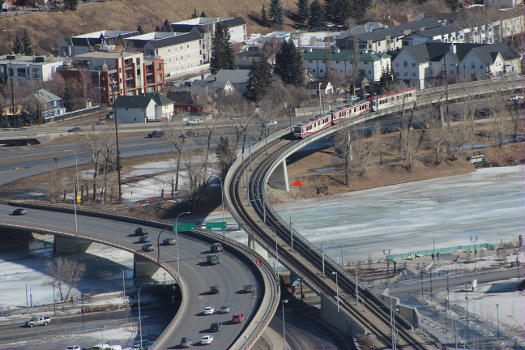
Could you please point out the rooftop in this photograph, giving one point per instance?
(342, 55)
(33, 60)
(101, 54)
(109, 33)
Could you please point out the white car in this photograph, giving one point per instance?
(207, 339)
(272, 123)
(73, 347)
(209, 310)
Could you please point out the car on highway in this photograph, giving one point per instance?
(207, 339)
(195, 121)
(185, 342)
(216, 247)
(19, 211)
(214, 289)
(216, 326)
(75, 129)
(272, 123)
(105, 346)
(208, 310)
(141, 231)
(148, 247)
(225, 309)
(144, 239)
(249, 288)
(237, 318)
(73, 347)
(168, 241)
(38, 321)
(213, 259)
(189, 133)
(156, 134)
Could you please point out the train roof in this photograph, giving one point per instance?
(357, 103)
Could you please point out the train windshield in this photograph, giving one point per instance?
(297, 129)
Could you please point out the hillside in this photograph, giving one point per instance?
(47, 29)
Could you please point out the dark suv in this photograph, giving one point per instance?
(156, 133)
(216, 326)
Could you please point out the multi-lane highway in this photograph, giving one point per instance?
(196, 275)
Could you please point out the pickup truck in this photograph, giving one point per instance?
(38, 321)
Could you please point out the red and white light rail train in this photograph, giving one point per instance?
(358, 108)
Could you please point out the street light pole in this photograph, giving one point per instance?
(336, 288)
(158, 244)
(284, 301)
(322, 253)
(118, 150)
(140, 319)
(497, 317)
(222, 198)
(177, 238)
(466, 298)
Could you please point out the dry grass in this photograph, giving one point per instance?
(47, 29)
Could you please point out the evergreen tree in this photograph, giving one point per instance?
(28, 48)
(275, 15)
(166, 27)
(344, 9)
(330, 9)
(221, 50)
(203, 14)
(317, 16)
(289, 64)
(259, 79)
(68, 98)
(140, 30)
(264, 17)
(18, 47)
(194, 14)
(303, 11)
(71, 4)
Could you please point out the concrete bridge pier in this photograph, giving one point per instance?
(143, 267)
(263, 253)
(339, 320)
(70, 245)
(279, 177)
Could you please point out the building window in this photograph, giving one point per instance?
(405, 64)
(159, 66)
(473, 66)
(413, 65)
(481, 66)
(310, 61)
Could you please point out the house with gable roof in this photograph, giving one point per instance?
(143, 108)
(50, 105)
(489, 60)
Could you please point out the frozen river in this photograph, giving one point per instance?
(489, 204)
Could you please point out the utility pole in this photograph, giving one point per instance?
(118, 150)
(342, 257)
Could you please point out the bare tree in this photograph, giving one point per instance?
(66, 273)
(177, 138)
(55, 184)
(463, 132)
(437, 135)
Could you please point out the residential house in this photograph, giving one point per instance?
(119, 73)
(35, 68)
(238, 78)
(206, 26)
(371, 65)
(325, 88)
(213, 87)
(104, 39)
(7, 5)
(386, 39)
(416, 64)
(185, 101)
(449, 33)
(489, 60)
(51, 107)
(503, 3)
(181, 52)
(143, 108)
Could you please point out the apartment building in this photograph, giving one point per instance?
(371, 65)
(83, 43)
(120, 73)
(206, 26)
(40, 68)
(181, 52)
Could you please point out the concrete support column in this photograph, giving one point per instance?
(279, 177)
(339, 320)
(257, 247)
(70, 245)
(143, 267)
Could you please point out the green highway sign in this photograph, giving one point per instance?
(219, 224)
(183, 227)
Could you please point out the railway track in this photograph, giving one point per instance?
(267, 228)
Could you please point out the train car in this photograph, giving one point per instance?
(386, 101)
(312, 125)
(340, 114)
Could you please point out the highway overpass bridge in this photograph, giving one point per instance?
(346, 305)
(237, 268)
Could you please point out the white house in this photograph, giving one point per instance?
(342, 61)
(489, 60)
(323, 87)
(416, 64)
(143, 108)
